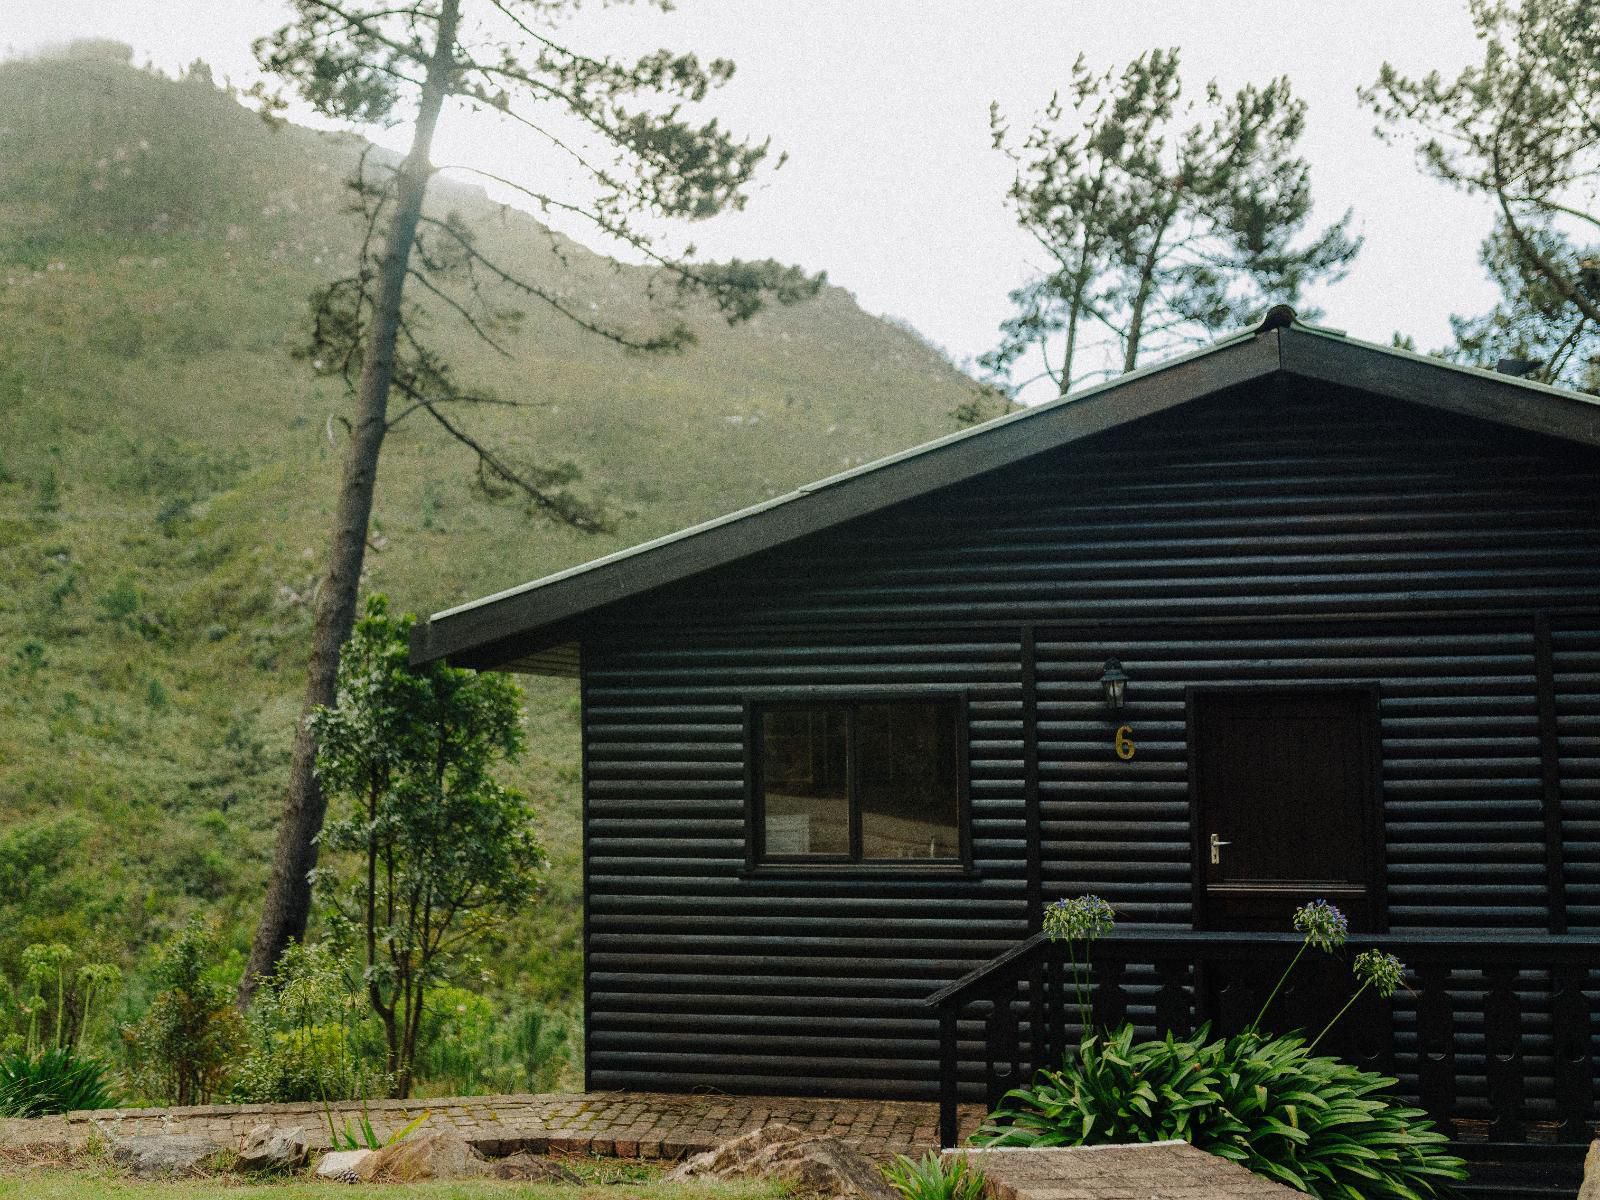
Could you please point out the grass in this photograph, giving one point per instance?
(91, 1185)
(166, 487)
(83, 1176)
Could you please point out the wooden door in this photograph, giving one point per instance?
(1283, 785)
(1283, 788)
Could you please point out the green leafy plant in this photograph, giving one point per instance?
(58, 1080)
(442, 852)
(43, 1067)
(302, 1035)
(471, 1046)
(933, 1177)
(362, 1136)
(183, 1047)
(1267, 1103)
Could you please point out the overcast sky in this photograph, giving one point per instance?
(882, 106)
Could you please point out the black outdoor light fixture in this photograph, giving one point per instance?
(1115, 681)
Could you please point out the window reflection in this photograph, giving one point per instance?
(870, 782)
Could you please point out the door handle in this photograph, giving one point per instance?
(1216, 849)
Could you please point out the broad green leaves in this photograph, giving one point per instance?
(1313, 1123)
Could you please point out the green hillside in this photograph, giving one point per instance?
(167, 469)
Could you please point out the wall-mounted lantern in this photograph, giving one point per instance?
(1115, 681)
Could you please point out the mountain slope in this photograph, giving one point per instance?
(167, 472)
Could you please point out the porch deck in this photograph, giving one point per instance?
(1495, 1036)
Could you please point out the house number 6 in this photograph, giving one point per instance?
(1124, 743)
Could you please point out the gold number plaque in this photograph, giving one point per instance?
(1124, 742)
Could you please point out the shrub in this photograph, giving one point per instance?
(57, 1081)
(469, 1048)
(181, 1049)
(934, 1178)
(303, 1044)
(1314, 1123)
(436, 853)
(43, 1024)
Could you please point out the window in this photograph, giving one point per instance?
(876, 782)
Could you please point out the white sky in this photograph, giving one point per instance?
(882, 105)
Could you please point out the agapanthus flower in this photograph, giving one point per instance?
(1384, 972)
(1324, 925)
(1080, 919)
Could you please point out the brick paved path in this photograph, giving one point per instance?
(623, 1124)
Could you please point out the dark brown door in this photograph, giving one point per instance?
(1284, 805)
(1284, 793)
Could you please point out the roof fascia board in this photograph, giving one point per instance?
(511, 617)
(1468, 391)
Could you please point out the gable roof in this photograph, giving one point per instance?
(530, 627)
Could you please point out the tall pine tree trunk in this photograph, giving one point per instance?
(287, 905)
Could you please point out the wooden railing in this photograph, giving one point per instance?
(1493, 1036)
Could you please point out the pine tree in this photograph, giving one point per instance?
(1522, 129)
(625, 130)
(1165, 221)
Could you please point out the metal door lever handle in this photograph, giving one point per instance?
(1216, 846)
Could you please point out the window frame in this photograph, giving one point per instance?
(758, 862)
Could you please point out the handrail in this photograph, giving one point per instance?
(1490, 949)
(1035, 963)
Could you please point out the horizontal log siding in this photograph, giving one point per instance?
(701, 973)
(1274, 536)
(1463, 818)
(1576, 654)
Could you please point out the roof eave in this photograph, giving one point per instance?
(1452, 387)
(500, 628)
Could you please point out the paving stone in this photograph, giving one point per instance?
(1153, 1171)
(662, 1125)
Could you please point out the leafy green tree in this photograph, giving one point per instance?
(1163, 220)
(444, 852)
(304, 1033)
(182, 1049)
(1522, 129)
(625, 131)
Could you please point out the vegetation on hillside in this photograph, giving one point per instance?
(168, 472)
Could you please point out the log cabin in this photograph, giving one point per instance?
(1292, 616)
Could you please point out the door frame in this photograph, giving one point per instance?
(1371, 800)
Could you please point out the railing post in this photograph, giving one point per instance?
(1502, 1044)
(1056, 1012)
(1173, 1002)
(1436, 1041)
(1108, 1001)
(949, 1072)
(1573, 1053)
(1002, 1048)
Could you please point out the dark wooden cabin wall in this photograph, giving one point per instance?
(701, 975)
(1275, 537)
(1576, 655)
(1463, 813)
